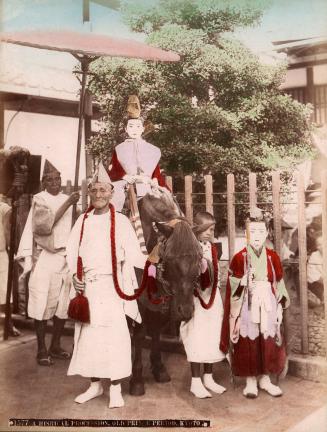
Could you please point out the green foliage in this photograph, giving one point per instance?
(218, 110)
(212, 16)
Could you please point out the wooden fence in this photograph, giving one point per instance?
(250, 198)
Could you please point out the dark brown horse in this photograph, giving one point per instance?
(177, 274)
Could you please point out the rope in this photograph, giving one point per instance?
(119, 291)
(215, 282)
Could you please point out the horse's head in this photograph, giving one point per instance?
(181, 254)
(181, 258)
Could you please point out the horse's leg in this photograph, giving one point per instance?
(136, 384)
(155, 322)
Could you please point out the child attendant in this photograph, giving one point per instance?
(201, 335)
(253, 312)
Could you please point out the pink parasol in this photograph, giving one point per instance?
(88, 44)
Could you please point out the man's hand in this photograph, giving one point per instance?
(73, 198)
(142, 178)
(129, 178)
(78, 285)
(27, 267)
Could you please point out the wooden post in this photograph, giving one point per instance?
(276, 211)
(302, 234)
(188, 198)
(252, 190)
(231, 215)
(169, 181)
(87, 136)
(209, 193)
(84, 195)
(324, 239)
(2, 124)
(69, 187)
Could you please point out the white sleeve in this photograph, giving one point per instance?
(131, 245)
(25, 248)
(73, 245)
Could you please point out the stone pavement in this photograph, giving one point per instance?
(31, 391)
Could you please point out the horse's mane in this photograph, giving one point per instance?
(183, 243)
(160, 209)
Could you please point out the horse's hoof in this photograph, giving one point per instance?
(136, 388)
(161, 375)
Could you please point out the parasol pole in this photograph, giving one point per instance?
(10, 265)
(85, 62)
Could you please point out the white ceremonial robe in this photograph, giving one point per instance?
(201, 335)
(49, 283)
(102, 348)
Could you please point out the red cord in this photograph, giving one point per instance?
(119, 291)
(215, 281)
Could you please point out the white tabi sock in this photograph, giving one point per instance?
(198, 389)
(251, 388)
(93, 391)
(209, 382)
(266, 384)
(115, 397)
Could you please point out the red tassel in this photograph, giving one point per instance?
(78, 309)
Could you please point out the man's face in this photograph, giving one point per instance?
(134, 128)
(52, 183)
(100, 194)
(207, 235)
(258, 234)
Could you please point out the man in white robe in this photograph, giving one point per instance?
(102, 348)
(42, 249)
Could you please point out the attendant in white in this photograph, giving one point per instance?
(43, 249)
(135, 160)
(102, 348)
(201, 335)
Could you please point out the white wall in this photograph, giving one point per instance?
(295, 78)
(320, 74)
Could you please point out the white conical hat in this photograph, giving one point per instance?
(49, 168)
(101, 175)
